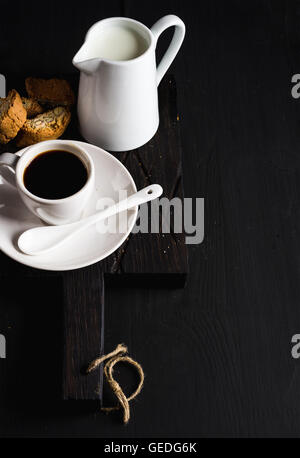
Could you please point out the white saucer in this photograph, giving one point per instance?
(88, 247)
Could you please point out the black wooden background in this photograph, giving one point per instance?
(217, 355)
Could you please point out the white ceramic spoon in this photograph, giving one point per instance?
(40, 240)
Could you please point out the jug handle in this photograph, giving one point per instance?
(179, 34)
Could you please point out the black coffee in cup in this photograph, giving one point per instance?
(55, 175)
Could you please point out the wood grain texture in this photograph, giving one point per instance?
(83, 333)
(217, 355)
(157, 258)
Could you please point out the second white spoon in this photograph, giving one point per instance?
(40, 240)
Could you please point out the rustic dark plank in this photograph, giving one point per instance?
(159, 258)
(83, 332)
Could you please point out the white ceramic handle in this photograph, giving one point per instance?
(179, 34)
(10, 160)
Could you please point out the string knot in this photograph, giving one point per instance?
(113, 358)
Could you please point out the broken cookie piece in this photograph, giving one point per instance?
(32, 107)
(46, 126)
(52, 91)
(12, 116)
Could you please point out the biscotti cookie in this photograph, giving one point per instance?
(12, 116)
(53, 91)
(32, 107)
(46, 126)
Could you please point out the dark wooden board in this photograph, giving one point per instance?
(159, 260)
(156, 259)
(83, 332)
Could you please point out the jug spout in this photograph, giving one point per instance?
(87, 66)
(84, 63)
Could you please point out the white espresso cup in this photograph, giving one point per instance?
(58, 211)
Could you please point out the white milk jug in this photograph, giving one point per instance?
(117, 100)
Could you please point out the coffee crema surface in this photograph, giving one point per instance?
(55, 175)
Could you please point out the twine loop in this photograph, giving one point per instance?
(113, 358)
